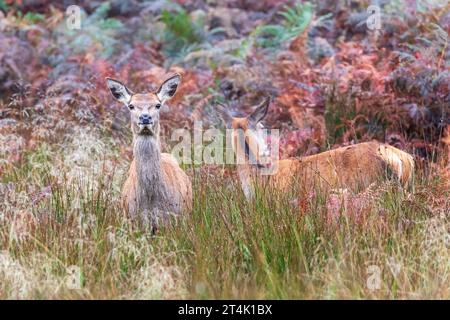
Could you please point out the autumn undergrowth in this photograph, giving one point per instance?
(64, 235)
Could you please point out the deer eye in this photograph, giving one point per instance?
(131, 106)
(158, 106)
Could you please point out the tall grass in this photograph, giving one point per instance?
(54, 221)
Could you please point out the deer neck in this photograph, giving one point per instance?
(248, 176)
(151, 189)
(254, 176)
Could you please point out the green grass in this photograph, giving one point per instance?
(227, 247)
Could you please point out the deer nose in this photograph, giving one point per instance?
(145, 118)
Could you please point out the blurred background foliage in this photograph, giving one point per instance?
(334, 81)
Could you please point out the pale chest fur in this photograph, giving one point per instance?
(156, 186)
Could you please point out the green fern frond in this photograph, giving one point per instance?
(295, 21)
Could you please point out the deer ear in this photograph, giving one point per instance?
(168, 88)
(224, 114)
(260, 111)
(119, 90)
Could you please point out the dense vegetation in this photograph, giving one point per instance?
(65, 146)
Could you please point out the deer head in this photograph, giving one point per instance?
(248, 140)
(144, 107)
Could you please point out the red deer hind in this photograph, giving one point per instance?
(353, 167)
(156, 187)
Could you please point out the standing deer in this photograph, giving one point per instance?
(353, 167)
(156, 186)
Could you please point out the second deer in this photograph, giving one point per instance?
(353, 167)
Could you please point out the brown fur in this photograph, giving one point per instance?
(354, 167)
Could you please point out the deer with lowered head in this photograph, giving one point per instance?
(352, 167)
(156, 187)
